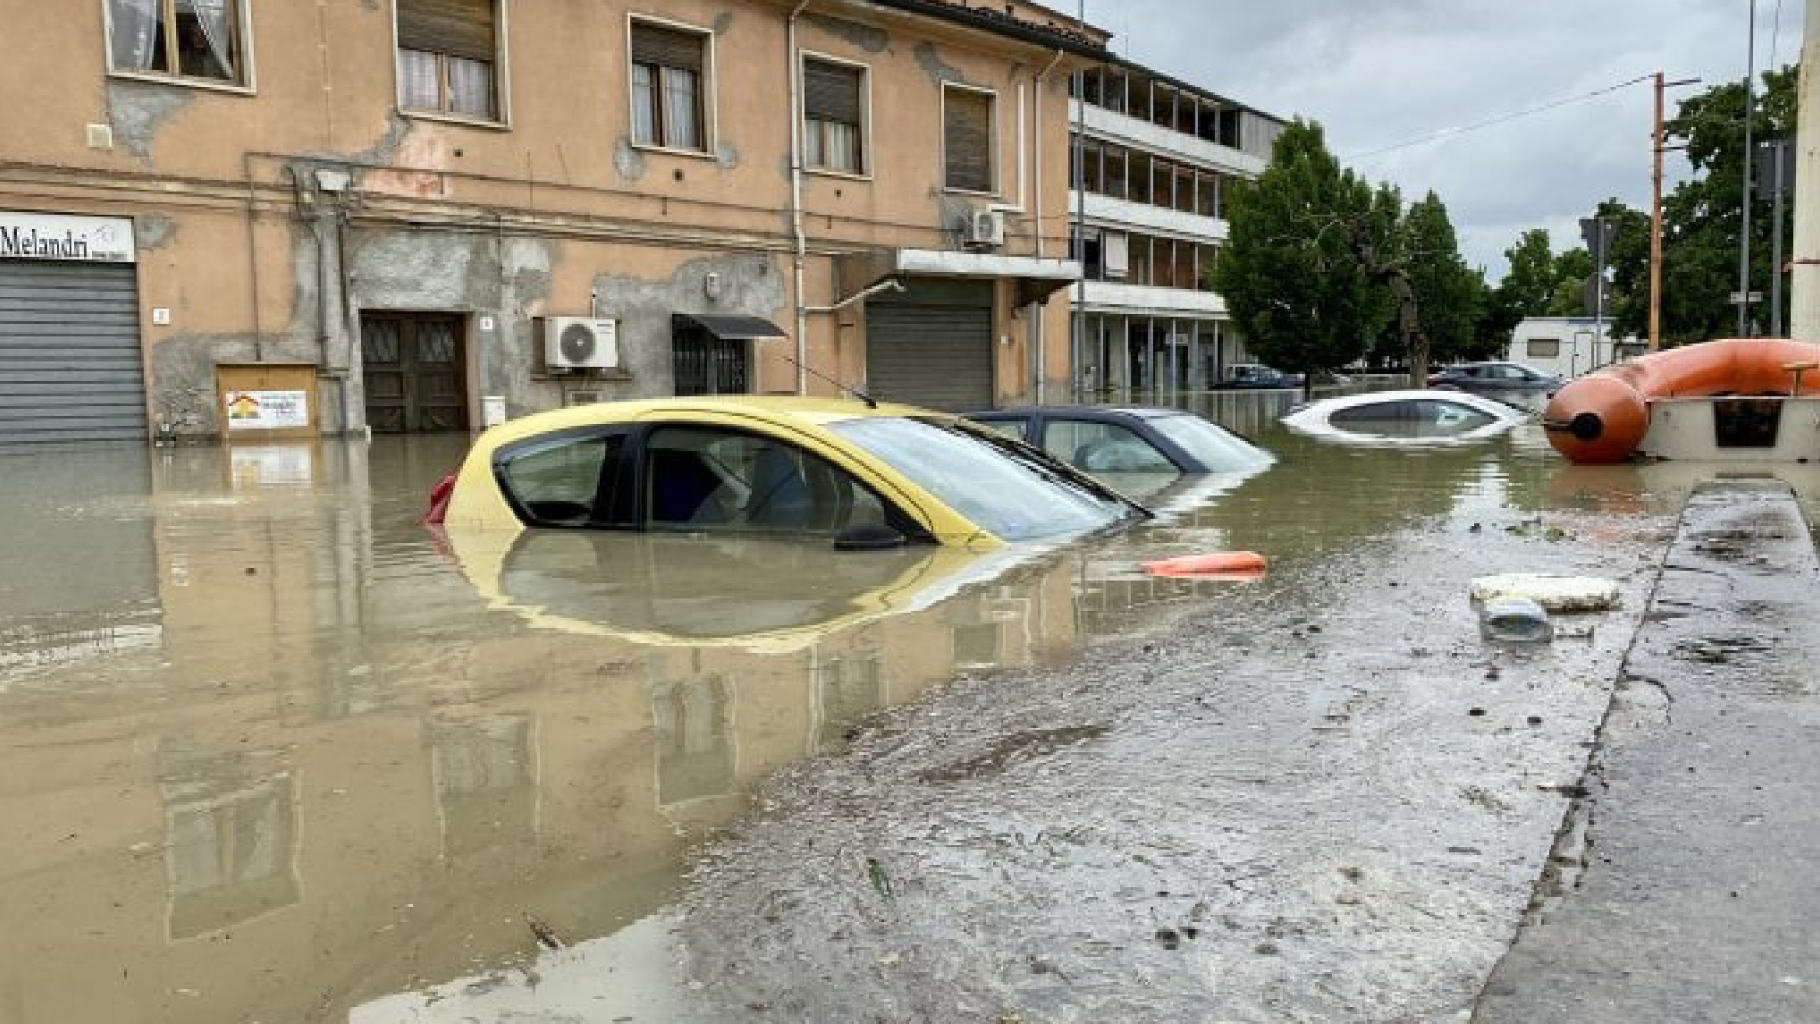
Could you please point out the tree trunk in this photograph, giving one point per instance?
(1409, 325)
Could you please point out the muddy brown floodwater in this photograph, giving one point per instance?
(271, 752)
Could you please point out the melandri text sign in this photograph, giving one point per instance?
(53, 236)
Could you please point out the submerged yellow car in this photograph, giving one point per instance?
(857, 473)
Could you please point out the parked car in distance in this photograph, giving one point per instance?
(1494, 378)
(1424, 416)
(1127, 439)
(857, 473)
(1257, 375)
(1142, 452)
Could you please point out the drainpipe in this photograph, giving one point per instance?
(1036, 308)
(800, 243)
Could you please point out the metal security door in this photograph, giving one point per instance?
(70, 362)
(933, 347)
(412, 368)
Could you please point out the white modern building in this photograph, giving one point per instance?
(1153, 157)
(1569, 346)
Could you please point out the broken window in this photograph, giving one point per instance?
(447, 50)
(833, 111)
(967, 139)
(669, 69)
(199, 39)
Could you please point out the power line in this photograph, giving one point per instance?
(1500, 119)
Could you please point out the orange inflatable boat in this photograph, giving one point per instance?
(1602, 417)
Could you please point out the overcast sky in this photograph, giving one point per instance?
(1376, 73)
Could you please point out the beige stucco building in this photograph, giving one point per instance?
(381, 212)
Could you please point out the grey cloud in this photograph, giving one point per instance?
(1383, 72)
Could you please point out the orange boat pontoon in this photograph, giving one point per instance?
(1603, 416)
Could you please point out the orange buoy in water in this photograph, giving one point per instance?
(1229, 565)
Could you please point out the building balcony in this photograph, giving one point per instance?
(1131, 131)
(1106, 211)
(1113, 297)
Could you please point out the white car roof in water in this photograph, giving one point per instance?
(1313, 417)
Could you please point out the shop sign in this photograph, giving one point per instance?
(52, 236)
(267, 410)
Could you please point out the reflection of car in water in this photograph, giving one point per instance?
(1135, 450)
(753, 592)
(1257, 375)
(859, 474)
(1426, 416)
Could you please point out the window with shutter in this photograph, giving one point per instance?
(967, 139)
(447, 50)
(833, 116)
(669, 75)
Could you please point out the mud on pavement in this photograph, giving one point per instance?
(1322, 797)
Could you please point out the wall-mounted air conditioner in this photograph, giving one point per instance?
(983, 229)
(580, 343)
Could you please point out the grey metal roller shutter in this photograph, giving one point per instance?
(935, 354)
(70, 365)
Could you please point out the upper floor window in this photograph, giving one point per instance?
(447, 52)
(967, 138)
(669, 96)
(833, 116)
(196, 39)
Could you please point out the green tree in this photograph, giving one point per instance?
(1446, 291)
(1702, 218)
(1290, 274)
(1572, 270)
(1529, 284)
(1499, 315)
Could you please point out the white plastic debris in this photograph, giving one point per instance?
(1515, 619)
(1555, 593)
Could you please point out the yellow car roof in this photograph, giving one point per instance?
(777, 408)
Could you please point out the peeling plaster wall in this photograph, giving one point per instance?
(136, 110)
(753, 285)
(866, 37)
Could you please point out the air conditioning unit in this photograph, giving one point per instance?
(580, 343)
(984, 229)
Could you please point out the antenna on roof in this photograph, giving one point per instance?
(871, 403)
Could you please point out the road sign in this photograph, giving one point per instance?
(1739, 297)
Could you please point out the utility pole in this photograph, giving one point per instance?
(1655, 215)
(1750, 100)
(1655, 230)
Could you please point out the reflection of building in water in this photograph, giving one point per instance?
(451, 767)
(843, 689)
(89, 587)
(485, 773)
(692, 725)
(230, 837)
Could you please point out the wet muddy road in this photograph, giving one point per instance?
(272, 753)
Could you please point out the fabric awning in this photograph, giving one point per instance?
(730, 326)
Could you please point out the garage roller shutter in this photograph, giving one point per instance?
(935, 355)
(70, 366)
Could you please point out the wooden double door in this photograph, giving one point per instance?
(413, 370)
